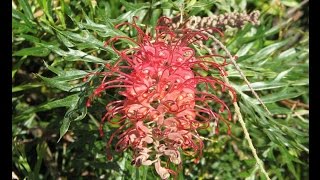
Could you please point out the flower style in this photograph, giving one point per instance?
(166, 99)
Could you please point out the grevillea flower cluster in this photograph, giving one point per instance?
(166, 99)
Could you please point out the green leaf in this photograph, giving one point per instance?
(61, 18)
(282, 75)
(71, 75)
(65, 40)
(17, 66)
(64, 102)
(74, 55)
(266, 51)
(278, 96)
(46, 27)
(301, 82)
(104, 30)
(201, 4)
(18, 15)
(30, 38)
(49, 105)
(155, 16)
(64, 127)
(25, 87)
(47, 8)
(244, 49)
(66, 75)
(62, 85)
(191, 3)
(53, 69)
(26, 8)
(275, 29)
(134, 6)
(287, 54)
(288, 160)
(76, 112)
(41, 150)
(128, 16)
(86, 38)
(33, 51)
(258, 86)
(18, 28)
(290, 3)
(65, 8)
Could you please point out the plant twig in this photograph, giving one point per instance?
(181, 8)
(237, 109)
(247, 136)
(239, 70)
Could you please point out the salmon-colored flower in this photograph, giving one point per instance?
(166, 99)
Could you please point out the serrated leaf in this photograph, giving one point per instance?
(76, 112)
(65, 102)
(107, 32)
(84, 37)
(62, 85)
(66, 75)
(71, 75)
(74, 55)
(77, 55)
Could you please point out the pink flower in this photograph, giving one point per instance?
(166, 99)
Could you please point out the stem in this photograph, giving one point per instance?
(181, 12)
(247, 136)
(239, 70)
(237, 108)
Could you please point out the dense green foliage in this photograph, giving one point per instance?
(57, 43)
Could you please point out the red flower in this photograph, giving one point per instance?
(165, 100)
